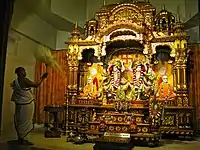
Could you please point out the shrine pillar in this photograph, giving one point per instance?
(184, 75)
(174, 78)
(73, 64)
(177, 67)
(181, 65)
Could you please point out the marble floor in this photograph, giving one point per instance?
(40, 143)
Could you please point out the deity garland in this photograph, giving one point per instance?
(115, 72)
(112, 79)
(138, 80)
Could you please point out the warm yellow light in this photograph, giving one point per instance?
(93, 71)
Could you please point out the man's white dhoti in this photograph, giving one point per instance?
(24, 110)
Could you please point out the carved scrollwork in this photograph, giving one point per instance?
(185, 101)
(168, 120)
(72, 59)
(127, 14)
(148, 19)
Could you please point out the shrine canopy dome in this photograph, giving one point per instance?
(132, 25)
(142, 5)
(126, 15)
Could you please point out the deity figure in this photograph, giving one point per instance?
(112, 79)
(165, 91)
(93, 87)
(138, 80)
(149, 79)
(149, 73)
(132, 83)
(143, 81)
(90, 89)
(138, 83)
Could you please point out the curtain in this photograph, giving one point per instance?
(194, 88)
(6, 7)
(52, 91)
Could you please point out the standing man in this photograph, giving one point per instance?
(24, 101)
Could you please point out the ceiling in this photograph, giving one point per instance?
(43, 8)
(62, 13)
(193, 22)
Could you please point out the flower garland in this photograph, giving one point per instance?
(136, 83)
(115, 83)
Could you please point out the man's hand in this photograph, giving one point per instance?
(45, 75)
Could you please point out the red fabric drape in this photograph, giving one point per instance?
(52, 90)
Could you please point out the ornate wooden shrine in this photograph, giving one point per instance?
(128, 74)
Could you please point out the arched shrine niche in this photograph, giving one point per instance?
(118, 47)
(89, 76)
(164, 70)
(121, 29)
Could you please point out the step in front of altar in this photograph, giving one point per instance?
(119, 141)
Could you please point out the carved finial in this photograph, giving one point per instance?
(163, 7)
(94, 16)
(104, 2)
(76, 31)
(76, 25)
(178, 19)
(179, 27)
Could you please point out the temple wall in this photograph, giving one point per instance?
(194, 35)
(62, 36)
(30, 24)
(191, 9)
(19, 53)
(27, 32)
(72, 10)
(195, 82)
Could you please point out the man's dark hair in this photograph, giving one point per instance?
(18, 69)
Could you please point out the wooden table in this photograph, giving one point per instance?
(55, 110)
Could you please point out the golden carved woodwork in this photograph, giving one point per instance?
(127, 14)
(149, 31)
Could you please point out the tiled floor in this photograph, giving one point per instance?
(59, 144)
